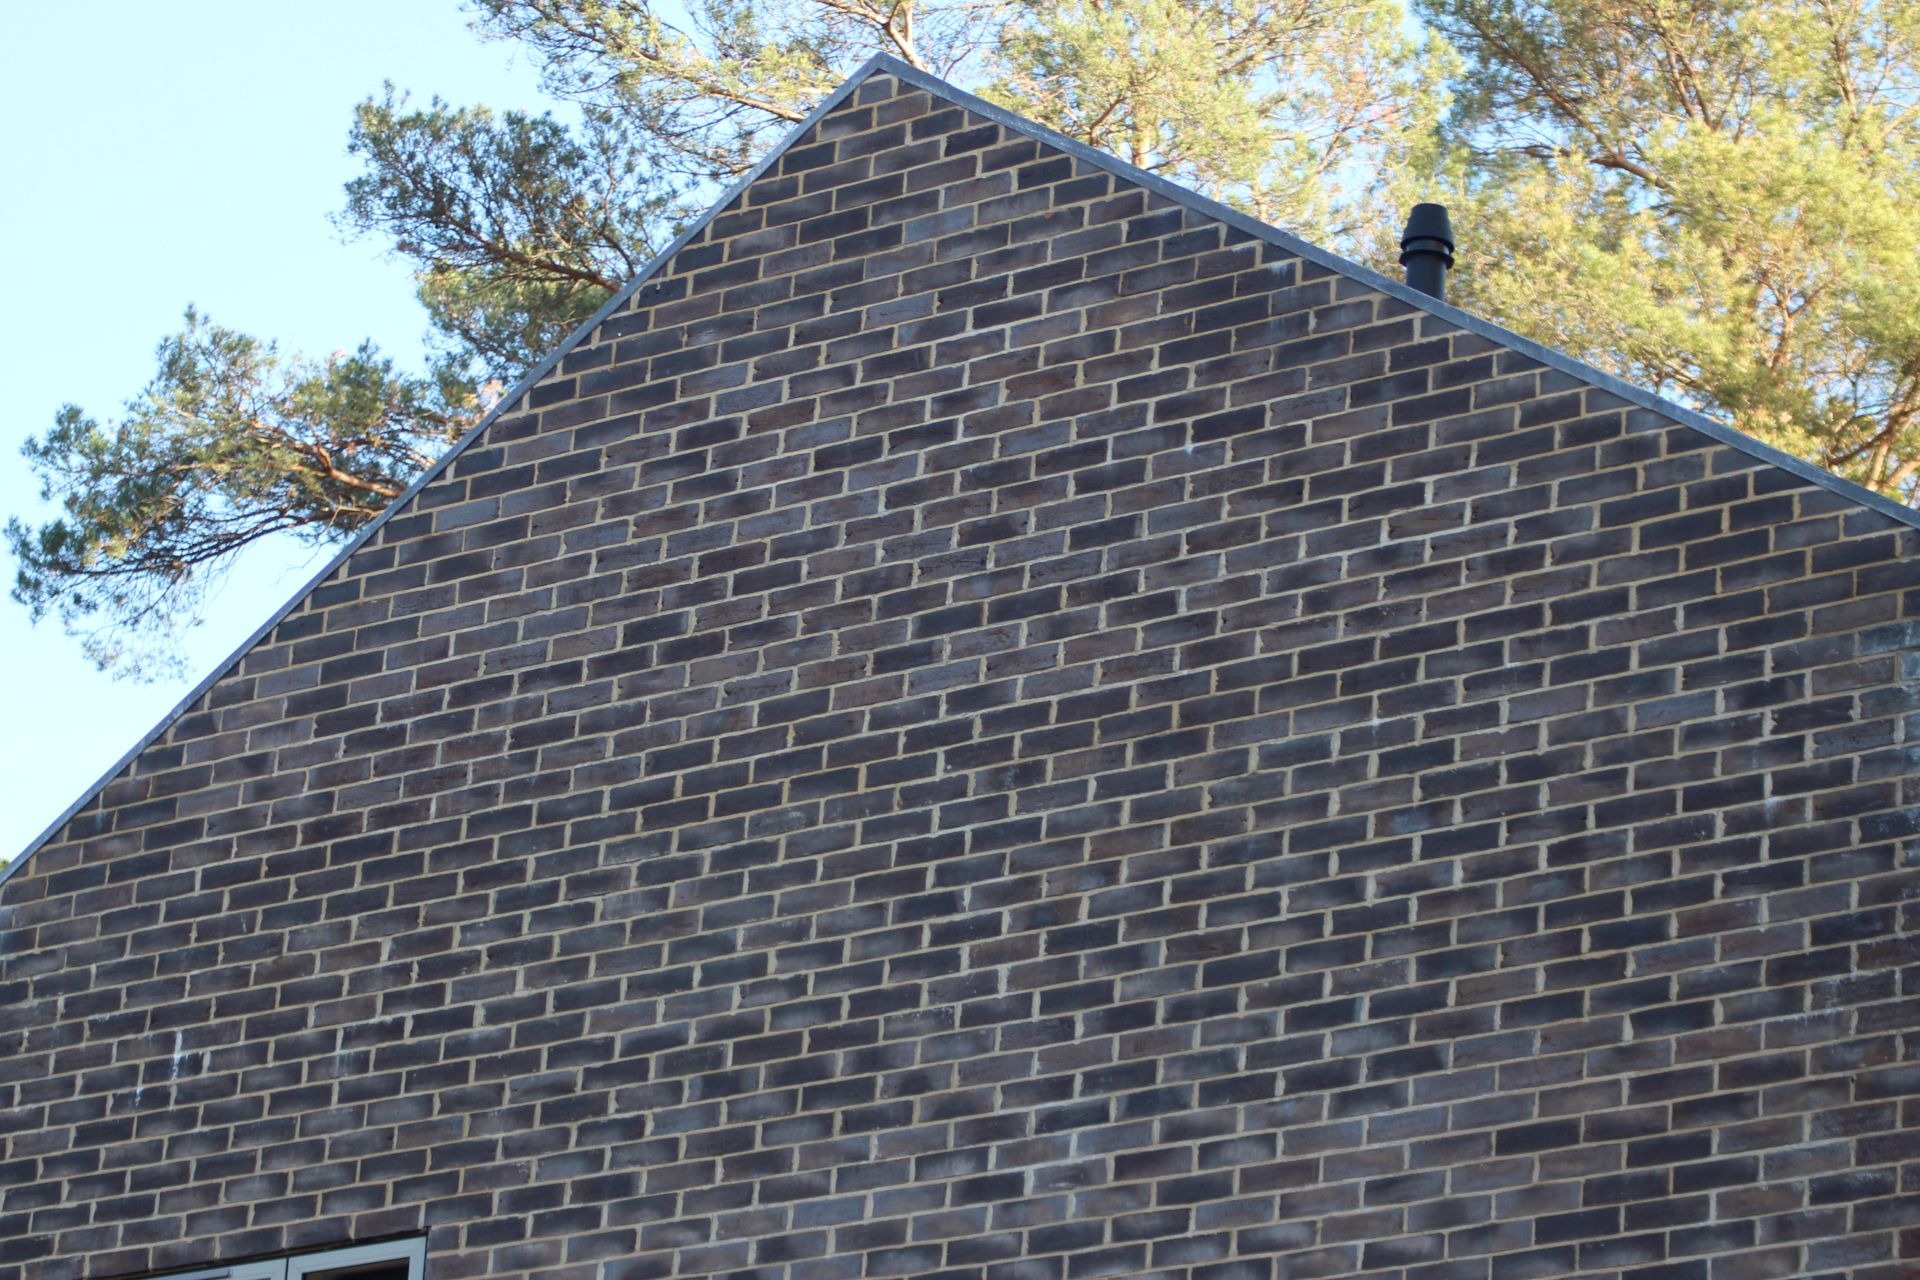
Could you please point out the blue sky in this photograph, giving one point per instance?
(160, 155)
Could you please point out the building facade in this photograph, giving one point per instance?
(990, 718)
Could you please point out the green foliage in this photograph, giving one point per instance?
(1706, 197)
(520, 227)
(228, 443)
(1298, 111)
(1710, 198)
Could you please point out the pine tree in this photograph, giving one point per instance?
(1711, 199)
(1707, 198)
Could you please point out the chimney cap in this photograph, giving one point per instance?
(1429, 230)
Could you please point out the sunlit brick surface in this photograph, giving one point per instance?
(991, 726)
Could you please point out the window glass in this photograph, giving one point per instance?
(398, 1260)
(394, 1260)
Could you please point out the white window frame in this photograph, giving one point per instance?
(300, 1266)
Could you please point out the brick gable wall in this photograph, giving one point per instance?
(988, 725)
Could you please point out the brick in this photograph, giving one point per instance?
(989, 724)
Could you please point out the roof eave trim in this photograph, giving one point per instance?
(1605, 381)
(506, 404)
(912, 75)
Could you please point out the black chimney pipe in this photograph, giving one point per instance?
(1426, 249)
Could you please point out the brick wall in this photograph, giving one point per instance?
(988, 725)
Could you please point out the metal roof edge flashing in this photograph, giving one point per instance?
(1398, 289)
(909, 74)
(506, 404)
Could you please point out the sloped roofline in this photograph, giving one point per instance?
(1399, 289)
(890, 65)
(506, 403)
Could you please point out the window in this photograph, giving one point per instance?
(395, 1260)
